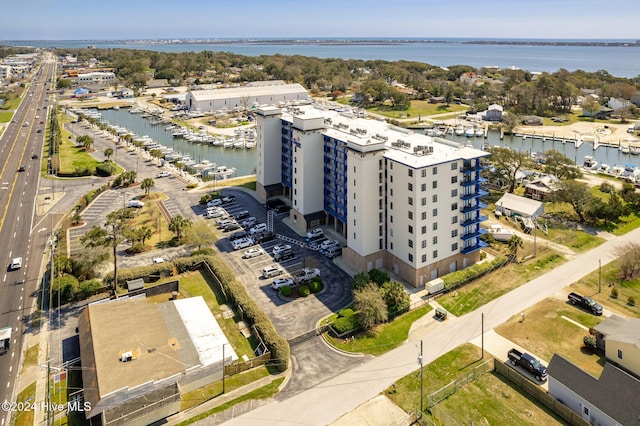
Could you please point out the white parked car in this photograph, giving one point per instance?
(242, 243)
(280, 247)
(248, 222)
(214, 203)
(315, 233)
(261, 227)
(213, 212)
(158, 260)
(271, 271)
(136, 204)
(329, 243)
(224, 222)
(253, 252)
(278, 283)
(163, 174)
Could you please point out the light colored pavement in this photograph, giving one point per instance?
(328, 401)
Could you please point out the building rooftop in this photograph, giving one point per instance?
(162, 340)
(247, 91)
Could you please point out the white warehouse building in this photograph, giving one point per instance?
(245, 97)
(96, 80)
(405, 202)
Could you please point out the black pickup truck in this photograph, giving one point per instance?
(530, 363)
(585, 302)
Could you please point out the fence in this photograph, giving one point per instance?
(451, 388)
(301, 338)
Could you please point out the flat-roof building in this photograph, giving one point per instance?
(245, 97)
(97, 80)
(137, 357)
(405, 202)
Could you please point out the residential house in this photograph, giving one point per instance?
(126, 93)
(541, 188)
(635, 99)
(532, 120)
(611, 399)
(514, 205)
(620, 339)
(618, 103)
(494, 113)
(470, 78)
(437, 99)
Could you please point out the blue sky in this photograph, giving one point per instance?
(119, 19)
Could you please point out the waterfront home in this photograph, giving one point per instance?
(618, 103)
(541, 188)
(493, 113)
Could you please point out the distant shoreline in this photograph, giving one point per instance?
(343, 41)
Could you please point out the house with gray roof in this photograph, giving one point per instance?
(619, 337)
(610, 400)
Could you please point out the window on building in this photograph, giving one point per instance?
(410, 171)
(410, 214)
(434, 198)
(619, 353)
(434, 171)
(354, 195)
(354, 209)
(410, 229)
(454, 166)
(423, 187)
(434, 226)
(424, 243)
(423, 172)
(380, 164)
(391, 178)
(354, 170)
(434, 240)
(380, 230)
(454, 219)
(423, 215)
(410, 201)
(410, 258)
(424, 258)
(391, 232)
(411, 243)
(435, 254)
(391, 165)
(380, 244)
(354, 235)
(410, 186)
(454, 179)
(454, 192)
(354, 222)
(454, 233)
(391, 245)
(434, 212)
(380, 204)
(391, 192)
(423, 201)
(434, 184)
(454, 206)
(454, 247)
(354, 182)
(380, 217)
(391, 205)
(423, 230)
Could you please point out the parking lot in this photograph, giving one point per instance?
(291, 317)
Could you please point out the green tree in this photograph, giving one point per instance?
(110, 236)
(557, 164)
(515, 243)
(371, 307)
(360, 280)
(395, 296)
(508, 163)
(577, 195)
(178, 225)
(86, 141)
(146, 185)
(63, 83)
(200, 234)
(108, 153)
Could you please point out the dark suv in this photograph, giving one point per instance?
(237, 235)
(264, 237)
(241, 215)
(285, 254)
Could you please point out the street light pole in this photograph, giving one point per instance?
(599, 274)
(421, 381)
(223, 345)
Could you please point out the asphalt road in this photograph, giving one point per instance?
(21, 232)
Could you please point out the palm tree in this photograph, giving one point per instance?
(178, 225)
(147, 184)
(108, 153)
(515, 243)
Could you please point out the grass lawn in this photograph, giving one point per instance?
(5, 116)
(384, 338)
(262, 393)
(487, 400)
(499, 282)
(248, 182)
(71, 156)
(12, 104)
(149, 215)
(194, 284)
(208, 392)
(589, 286)
(420, 109)
(545, 331)
(30, 357)
(25, 418)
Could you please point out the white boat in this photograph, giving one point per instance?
(604, 168)
(589, 163)
(469, 132)
(634, 150)
(617, 170)
(624, 149)
(479, 132)
(250, 144)
(459, 131)
(501, 234)
(223, 172)
(134, 110)
(228, 143)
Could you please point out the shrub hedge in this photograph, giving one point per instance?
(286, 291)
(304, 291)
(346, 324)
(458, 278)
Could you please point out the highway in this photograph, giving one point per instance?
(19, 144)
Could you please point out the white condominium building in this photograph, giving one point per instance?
(403, 201)
(96, 80)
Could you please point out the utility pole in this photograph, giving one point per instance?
(482, 334)
(599, 274)
(421, 381)
(223, 345)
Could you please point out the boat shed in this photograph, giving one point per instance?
(515, 205)
(245, 97)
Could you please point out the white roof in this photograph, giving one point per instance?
(522, 205)
(204, 330)
(247, 91)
